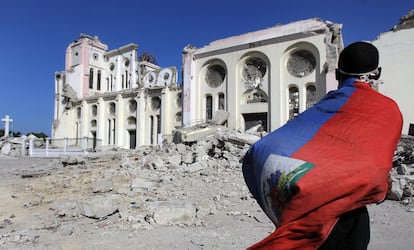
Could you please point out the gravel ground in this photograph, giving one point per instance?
(32, 188)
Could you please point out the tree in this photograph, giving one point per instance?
(145, 56)
(11, 133)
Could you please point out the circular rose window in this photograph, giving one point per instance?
(215, 75)
(301, 63)
(253, 71)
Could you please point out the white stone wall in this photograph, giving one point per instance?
(270, 50)
(396, 50)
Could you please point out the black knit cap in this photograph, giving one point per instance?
(359, 57)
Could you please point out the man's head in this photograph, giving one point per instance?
(358, 60)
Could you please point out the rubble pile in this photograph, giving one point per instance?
(178, 184)
(402, 173)
(173, 184)
(10, 146)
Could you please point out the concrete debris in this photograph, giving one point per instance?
(10, 146)
(72, 160)
(99, 207)
(171, 213)
(402, 173)
(220, 117)
(174, 184)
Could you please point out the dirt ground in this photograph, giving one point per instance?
(30, 189)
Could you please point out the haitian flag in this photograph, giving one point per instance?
(333, 158)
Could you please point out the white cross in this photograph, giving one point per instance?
(6, 121)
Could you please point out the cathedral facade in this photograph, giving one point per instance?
(112, 98)
(264, 77)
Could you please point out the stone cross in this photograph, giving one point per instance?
(6, 121)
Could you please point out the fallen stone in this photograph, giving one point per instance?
(102, 186)
(72, 160)
(142, 185)
(172, 213)
(67, 208)
(99, 207)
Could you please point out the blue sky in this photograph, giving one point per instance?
(34, 35)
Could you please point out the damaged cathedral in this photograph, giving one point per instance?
(265, 77)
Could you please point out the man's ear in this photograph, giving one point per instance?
(337, 74)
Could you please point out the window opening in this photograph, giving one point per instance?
(132, 106)
(109, 131)
(158, 124)
(293, 102)
(151, 130)
(112, 108)
(215, 75)
(221, 104)
(253, 72)
(98, 83)
(113, 131)
(209, 107)
(91, 78)
(253, 119)
(132, 139)
(310, 96)
(79, 113)
(126, 79)
(411, 129)
(301, 63)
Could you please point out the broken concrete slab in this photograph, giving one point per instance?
(170, 213)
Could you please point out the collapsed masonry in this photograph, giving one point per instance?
(141, 185)
(210, 140)
(179, 184)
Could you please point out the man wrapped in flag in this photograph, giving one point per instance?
(314, 176)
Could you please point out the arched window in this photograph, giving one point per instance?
(158, 124)
(93, 123)
(255, 95)
(151, 130)
(310, 96)
(253, 72)
(293, 102)
(112, 108)
(132, 106)
(79, 112)
(126, 80)
(209, 107)
(98, 83)
(94, 110)
(91, 78)
(221, 104)
(131, 120)
(110, 131)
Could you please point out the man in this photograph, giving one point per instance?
(314, 176)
